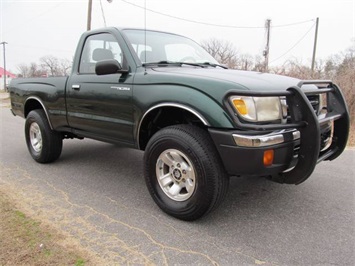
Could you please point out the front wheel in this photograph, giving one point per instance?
(184, 173)
(44, 144)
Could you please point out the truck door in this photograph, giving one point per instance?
(100, 107)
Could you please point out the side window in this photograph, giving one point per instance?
(96, 48)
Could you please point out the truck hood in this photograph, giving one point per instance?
(242, 79)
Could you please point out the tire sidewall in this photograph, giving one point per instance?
(33, 117)
(52, 141)
(199, 200)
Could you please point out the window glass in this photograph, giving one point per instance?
(96, 48)
(154, 46)
(142, 51)
(180, 51)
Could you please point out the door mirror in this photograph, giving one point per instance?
(108, 66)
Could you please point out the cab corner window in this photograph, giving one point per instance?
(96, 48)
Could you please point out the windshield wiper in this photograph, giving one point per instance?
(172, 63)
(159, 63)
(203, 65)
(213, 65)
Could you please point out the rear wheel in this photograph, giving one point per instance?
(184, 173)
(44, 144)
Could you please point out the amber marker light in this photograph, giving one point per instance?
(268, 157)
(240, 105)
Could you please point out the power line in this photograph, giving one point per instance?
(294, 44)
(211, 24)
(41, 48)
(293, 24)
(35, 17)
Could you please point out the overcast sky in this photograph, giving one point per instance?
(35, 28)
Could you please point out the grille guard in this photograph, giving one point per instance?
(305, 120)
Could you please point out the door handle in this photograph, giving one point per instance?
(75, 87)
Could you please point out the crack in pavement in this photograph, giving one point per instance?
(52, 209)
(78, 221)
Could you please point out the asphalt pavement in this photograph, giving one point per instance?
(95, 193)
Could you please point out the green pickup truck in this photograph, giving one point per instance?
(197, 122)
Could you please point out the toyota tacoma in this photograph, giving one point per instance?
(197, 122)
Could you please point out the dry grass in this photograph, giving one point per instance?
(25, 241)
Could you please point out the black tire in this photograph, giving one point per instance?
(200, 179)
(44, 144)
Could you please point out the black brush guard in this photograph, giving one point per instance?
(304, 119)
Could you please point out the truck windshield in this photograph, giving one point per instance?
(154, 47)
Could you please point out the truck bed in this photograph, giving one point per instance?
(50, 92)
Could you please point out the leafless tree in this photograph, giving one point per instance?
(64, 67)
(30, 71)
(51, 65)
(37, 71)
(223, 51)
(24, 70)
(345, 78)
(339, 68)
(259, 64)
(245, 62)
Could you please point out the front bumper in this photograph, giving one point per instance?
(244, 154)
(297, 146)
(265, 140)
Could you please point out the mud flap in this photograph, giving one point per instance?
(302, 111)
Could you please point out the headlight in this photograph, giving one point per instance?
(257, 109)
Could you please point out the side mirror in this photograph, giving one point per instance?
(108, 66)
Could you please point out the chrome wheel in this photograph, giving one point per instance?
(36, 137)
(176, 175)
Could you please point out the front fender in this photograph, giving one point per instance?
(208, 110)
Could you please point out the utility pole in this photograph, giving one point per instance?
(88, 27)
(4, 43)
(315, 46)
(267, 47)
(89, 15)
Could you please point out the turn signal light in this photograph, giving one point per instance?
(268, 157)
(240, 105)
